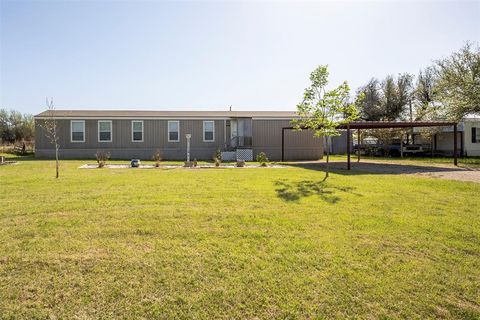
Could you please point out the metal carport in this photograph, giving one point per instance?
(386, 125)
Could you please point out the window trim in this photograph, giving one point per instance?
(143, 130)
(213, 127)
(168, 130)
(111, 130)
(71, 131)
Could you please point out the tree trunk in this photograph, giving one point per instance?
(328, 159)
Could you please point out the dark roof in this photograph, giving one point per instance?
(396, 124)
(169, 114)
(391, 124)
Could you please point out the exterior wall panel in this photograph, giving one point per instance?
(472, 149)
(445, 142)
(155, 136)
(267, 137)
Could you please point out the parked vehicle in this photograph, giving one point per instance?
(408, 149)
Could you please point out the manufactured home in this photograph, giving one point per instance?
(240, 135)
(468, 138)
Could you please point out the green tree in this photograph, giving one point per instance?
(370, 106)
(324, 111)
(6, 132)
(458, 82)
(15, 126)
(425, 108)
(424, 96)
(386, 100)
(27, 129)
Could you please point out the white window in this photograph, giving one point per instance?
(173, 131)
(77, 131)
(104, 131)
(137, 131)
(208, 131)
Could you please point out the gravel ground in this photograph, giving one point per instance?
(442, 171)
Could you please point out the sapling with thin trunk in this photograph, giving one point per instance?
(49, 125)
(324, 111)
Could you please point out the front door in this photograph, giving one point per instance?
(233, 132)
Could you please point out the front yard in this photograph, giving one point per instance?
(265, 243)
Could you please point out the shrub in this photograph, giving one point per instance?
(240, 163)
(195, 162)
(157, 157)
(262, 159)
(102, 158)
(217, 157)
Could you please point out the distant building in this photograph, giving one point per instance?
(468, 138)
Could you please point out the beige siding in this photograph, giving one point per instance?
(445, 142)
(155, 136)
(267, 137)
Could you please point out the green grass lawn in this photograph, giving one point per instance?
(235, 243)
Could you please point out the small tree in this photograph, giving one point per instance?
(50, 127)
(157, 157)
(217, 157)
(323, 111)
(262, 159)
(102, 158)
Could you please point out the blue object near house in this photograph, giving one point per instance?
(135, 163)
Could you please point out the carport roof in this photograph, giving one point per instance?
(391, 124)
(396, 124)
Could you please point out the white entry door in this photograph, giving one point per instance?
(233, 132)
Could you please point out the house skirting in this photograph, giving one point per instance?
(137, 153)
(178, 154)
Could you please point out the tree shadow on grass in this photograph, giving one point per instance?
(294, 191)
(366, 167)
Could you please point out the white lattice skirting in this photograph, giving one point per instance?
(245, 154)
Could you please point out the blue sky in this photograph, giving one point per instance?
(209, 55)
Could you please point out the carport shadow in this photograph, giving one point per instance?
(294, 191)
(358, 168)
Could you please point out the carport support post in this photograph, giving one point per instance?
(455, 144)
(283, 144)
(348, 146)
(358, 145)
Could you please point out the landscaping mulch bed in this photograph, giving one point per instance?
(151, 166)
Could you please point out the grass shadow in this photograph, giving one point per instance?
(294, 191)
(361, 168)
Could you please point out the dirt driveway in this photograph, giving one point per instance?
(432, 170)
